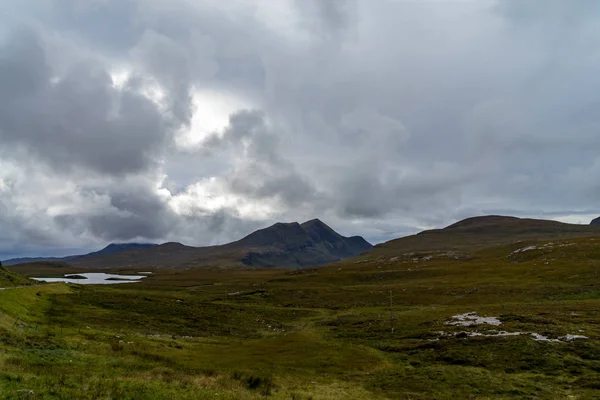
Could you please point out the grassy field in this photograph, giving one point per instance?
(373, 327)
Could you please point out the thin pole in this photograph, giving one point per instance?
(391, 311)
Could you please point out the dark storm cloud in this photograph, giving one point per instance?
(134, 211)
(75, 120)
(172, 65)
(132, 214)
(374, 193)
(107, 26)
(331, 18)
(261, 172)
(20, 234)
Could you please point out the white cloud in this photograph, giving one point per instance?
(211, 195)
(212, 110)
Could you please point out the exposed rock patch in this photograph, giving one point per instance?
(472, 319)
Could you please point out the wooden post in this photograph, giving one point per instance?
(391, 311)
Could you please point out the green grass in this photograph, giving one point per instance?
(320, 333)
(10, 278)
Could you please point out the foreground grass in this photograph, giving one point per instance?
(371, 328)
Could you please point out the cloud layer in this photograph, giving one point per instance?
(200, 121)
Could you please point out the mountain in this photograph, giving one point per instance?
(595, 221)
(110, 249)
(282, 245)
(487, 231)
(299, 245)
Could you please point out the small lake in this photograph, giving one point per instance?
(95, 278)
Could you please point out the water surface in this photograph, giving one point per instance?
(95, 278)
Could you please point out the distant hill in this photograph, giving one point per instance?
(27, 260)
(118, 247)
(487, 231)
(110, 249)
(283, 245)
(595, 221)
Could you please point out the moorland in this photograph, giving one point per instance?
(488, 308)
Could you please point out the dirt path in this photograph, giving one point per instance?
(13, 287)
(18, 287)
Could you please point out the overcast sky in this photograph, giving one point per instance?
(200, 121)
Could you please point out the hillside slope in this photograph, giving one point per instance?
(487, 231)
(10, 278)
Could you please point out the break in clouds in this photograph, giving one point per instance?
(201, 121)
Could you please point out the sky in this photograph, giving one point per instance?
(200, 121)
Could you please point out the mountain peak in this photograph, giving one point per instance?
(314, 221)
(318, 231)
(281, 234)
(284, 225)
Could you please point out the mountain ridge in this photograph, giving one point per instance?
(285, 245)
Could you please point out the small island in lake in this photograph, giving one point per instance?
(75, 277)
(114, 278)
